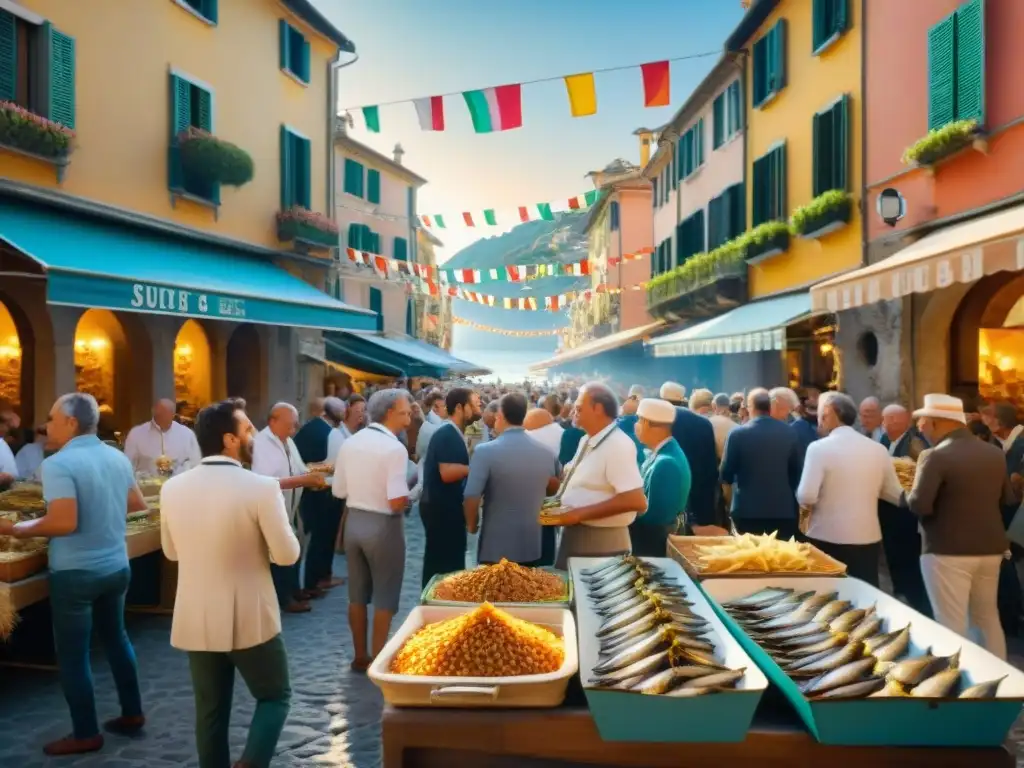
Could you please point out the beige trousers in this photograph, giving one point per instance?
(963, 591)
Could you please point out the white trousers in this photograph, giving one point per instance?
(963, 591)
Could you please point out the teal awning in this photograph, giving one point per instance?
(340, 355)
(411, 356)
(93, 264)
(756, 327)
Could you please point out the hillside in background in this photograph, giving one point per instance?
(532, 242)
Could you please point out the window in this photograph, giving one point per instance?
(830, 18)
(411, 203)
(410, 318)
(770, 186)
(37, 68)
(294, 51)
(726, 216)
(831, 147)
(613, 215)
(690, 237)
(661, 259)
(295, 170)
(770, 63)
(377, 305)
(956, 66)
(372, 186)
(191, 107)
(362, 238)
(727, 114)
(205, 8)
(353, 179)
(654, 192)
(401, 249)
(691, 150)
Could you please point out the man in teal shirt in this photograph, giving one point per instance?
(666, 475)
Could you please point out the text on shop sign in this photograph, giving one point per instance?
(156, 298)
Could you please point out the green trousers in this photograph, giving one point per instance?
(264, 668)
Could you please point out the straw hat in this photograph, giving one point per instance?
(942, 407)
(670, 390)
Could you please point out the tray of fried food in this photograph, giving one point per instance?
(905, 468)
(750, 555)
(321, 467)
(24, 498)
(504, 583)
(550, 511)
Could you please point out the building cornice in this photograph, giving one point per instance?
(343, 140)
(308, 12)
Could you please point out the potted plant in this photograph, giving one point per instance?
(942, 142)
(207, 160)
(765, 240)
(299, 223)
(34, 135)
(826, 213)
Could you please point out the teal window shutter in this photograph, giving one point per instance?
(377, 305)
(8, 56)
(287, 170)
(373, 185)
(180, 110)
(62, 76)
(205, 110)
(779, 212)
(970, 61)
(410, 318)
(719, 130)
(941, 73)
(284, 35)
(304, 180)
(304, 62)
(353, 236)
(699, 143)
(353, 177)
(778, 56)
(411, 203)
(819, 25)
(401, 249)
(735, 108)
(841, 143)
(759, 76)
(654, 193)
(210, 10)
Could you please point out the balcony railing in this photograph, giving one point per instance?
(708, 292)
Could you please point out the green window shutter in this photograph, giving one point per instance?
(410, 321)
(401, 249)
(759, 76)
(210, 10)
(62, 76)
(287, 171)
(941, 69)
(304, 179)
(8, 56)
(698, 140)
(735, 108)
(841, 144)
(373, 186)
(360, 180)
(819, 24)
(840, 16)
(180, 111)
(304, 62)
(777, 66)
(779, 211)
(205, 110)
(284, 33)
(718, 130)
(353, 177)
(353, 236)
(654, 193)
(970, 61)
(758, 174)
(822, 135)
(700, 232)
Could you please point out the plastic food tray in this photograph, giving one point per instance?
(426, 597)
(890, 722)
(683, 549)
(525, 691)
(629, 716)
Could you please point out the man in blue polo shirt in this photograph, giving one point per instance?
(89, 489)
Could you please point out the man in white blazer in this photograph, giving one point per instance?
(225, 526)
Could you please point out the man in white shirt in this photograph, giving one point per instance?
(353, 419)
(225, 526)
(30, 458)
(602, 490)
(540, 425)
(8, 465)
(274, 454)
(370, 475)
(162, 445)
(844, 476)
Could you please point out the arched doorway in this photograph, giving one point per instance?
(17, 386)
(246, 368)
(193, 384)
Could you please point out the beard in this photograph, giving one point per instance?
(245, 451)
(473, 418)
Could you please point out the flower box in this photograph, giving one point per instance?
(942, 142)
(760, 248)
(704, 282)
(30, 135)
(825, 214)
(306, 226)
(207, 160)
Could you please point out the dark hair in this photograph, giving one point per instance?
(432, 397)
(761, 402)
(1006, 415)
(215, 421)
(603, 396)
(457, 396)
(552, 404)
(980, 429)
(513, 407)
(355, 398)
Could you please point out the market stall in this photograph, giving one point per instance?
(756, 651)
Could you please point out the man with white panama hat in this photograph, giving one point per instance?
(958, 489)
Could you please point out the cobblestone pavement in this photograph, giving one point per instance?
(335, 715)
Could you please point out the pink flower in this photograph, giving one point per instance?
(16, 110)
(301, 215)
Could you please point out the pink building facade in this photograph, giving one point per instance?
(630, 228)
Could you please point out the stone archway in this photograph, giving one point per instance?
(246, 361)
(17, 359)
(193, 362)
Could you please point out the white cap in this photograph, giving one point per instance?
(656, 411)
(670, 390)
(636, 391)
(942, 407)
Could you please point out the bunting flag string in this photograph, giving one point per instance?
(500, 108)
(456, 320)
(489, 217)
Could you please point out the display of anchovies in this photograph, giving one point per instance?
(650, 640)
(835, 650)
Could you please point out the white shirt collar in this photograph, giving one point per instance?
(1010, 438)
(156, 426)
(221, 460)
(603, 432)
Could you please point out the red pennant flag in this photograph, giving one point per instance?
(381, 263)
(585, 267)
(432, 287)
(513, 273)
(656, 83)
(524, 213)
(468, 218)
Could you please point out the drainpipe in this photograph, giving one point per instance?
(333, 68)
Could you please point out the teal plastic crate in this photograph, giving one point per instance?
(427, 599)
(889, 722)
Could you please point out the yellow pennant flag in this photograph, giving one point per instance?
(582, 95)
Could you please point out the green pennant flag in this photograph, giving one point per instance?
(372, 117)
(592, 196)
(490, 218)
(544, 209)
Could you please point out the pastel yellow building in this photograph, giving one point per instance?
(803, 132)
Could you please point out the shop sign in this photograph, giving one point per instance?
(158, 298)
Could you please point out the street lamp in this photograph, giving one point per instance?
(891, 206)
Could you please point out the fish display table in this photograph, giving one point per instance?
(567, 738)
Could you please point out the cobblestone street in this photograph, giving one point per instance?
(334, 720)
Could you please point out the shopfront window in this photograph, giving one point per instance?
(10, 360)
(1001, 364)
(192, 382)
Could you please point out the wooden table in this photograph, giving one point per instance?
(567, 737)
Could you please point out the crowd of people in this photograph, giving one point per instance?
(255, 517)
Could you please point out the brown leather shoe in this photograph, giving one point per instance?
(69, 745)
(297, 606)
(125, 726)
(330, 583)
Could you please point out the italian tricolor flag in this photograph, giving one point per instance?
(433, 221)
(579, 269)
(488, 218)
(496, 109)
(430, 112)
(536, 212)
(583, 201)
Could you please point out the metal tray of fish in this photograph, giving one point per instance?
(863, 669)
(656, 662)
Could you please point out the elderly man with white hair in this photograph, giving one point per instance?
(785, 403)
(870, 416)
(162, 446)
(696, 437)
(275, 454)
